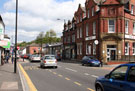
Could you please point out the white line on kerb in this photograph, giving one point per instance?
(94, 76)
(86, 74)
(71, 69)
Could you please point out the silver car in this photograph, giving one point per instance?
(35, 58)
(48, 60)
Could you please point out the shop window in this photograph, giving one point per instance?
(94, 28)
(111, 26)
(126, 26)
(134, 48)
(126, 48)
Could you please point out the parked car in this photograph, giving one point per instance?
(90, 60)
(122, 78)
(48, 60)
(35, 58)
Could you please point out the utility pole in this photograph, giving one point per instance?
(16, 35)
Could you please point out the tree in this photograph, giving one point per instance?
(39, 40)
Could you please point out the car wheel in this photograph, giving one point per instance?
(82, 64)
(99, 88)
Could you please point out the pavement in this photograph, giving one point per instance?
(10, 81)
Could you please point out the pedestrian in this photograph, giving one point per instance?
(7, 58)
(101, 61)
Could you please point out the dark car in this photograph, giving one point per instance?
(122, 78)
(90, 60)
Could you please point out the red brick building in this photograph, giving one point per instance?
(105, 29)
(33, 49)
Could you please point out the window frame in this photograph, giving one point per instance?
(127, 48)
(94, 28)
(80, 32)
(87, 29)
(92, 11)
(134, 28)
(116, 69)
(109, 26)
(132, 9)
(126, 26)
(128, 74)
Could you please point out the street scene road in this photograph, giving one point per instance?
(69, 76)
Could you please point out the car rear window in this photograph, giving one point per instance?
(49, 57)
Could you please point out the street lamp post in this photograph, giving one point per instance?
(16, 35)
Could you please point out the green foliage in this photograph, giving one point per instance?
(48, 37)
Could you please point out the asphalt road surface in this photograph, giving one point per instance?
(67, 77)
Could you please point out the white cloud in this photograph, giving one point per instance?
(39, 15)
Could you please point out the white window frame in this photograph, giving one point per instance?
(133, 48)
(80, 32)
(92, 11)
(88, 13)
(94, 28)
(94, 49)
(80, 17)
(132, 9)
(89, 48)
(126, 48)
(80, 49)
(87, 29)
(133, 27)
(126, 26)
(109, 26)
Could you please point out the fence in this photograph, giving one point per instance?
(123, 58)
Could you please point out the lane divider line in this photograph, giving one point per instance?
(54, 73)
(60, 75)
(94, 76)
(90, 89)
(77, 83)
(29, 82)
(71, 69)
(67, 78)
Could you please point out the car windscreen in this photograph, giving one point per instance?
(49, 57)
(35, 56)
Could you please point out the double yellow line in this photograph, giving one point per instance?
(30, 84)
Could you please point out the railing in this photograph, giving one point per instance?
(123, 58)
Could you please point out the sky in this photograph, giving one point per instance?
(36, 16)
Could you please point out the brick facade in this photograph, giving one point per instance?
(105, 29)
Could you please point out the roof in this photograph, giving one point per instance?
(121, 1)
(128, 64)
(34, 45)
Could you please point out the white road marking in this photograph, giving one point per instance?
(71, 69)
(86, 74)
(94, 76)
